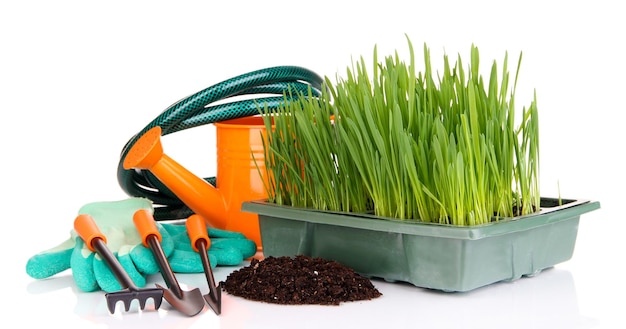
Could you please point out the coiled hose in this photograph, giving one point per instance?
(196, 110)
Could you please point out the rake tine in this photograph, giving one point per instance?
(126, 296)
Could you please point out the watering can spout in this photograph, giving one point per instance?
(200, 196)
(240, 175)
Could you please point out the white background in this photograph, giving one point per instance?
(79, 78)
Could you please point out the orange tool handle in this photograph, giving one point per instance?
(145, 224)
(88, 230)
(196, 229)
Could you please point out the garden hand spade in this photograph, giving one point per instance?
(188, 302)
(88, 230)
(196, 228)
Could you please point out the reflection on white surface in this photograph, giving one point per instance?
(548, 300)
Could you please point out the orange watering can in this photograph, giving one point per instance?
(240, 174)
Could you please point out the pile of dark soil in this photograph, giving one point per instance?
(299, 280)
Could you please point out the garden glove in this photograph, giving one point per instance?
(90, 272)
(227, 248)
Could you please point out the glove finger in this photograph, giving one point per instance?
(217, 233)
(81, 262)
(179, 237)
(167, 242)
(183, 261)
(247, 248)
(174, 229)
(105, 277)
(227, 256)
(52, 261)
(45, 265)
(182, 242)
(143, 258)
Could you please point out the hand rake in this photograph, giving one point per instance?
(88, 230)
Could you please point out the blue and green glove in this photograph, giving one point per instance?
(114, 219)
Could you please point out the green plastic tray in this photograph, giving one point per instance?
(441, 257)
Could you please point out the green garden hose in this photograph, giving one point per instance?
(196, 110)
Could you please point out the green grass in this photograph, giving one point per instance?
(428, 146)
